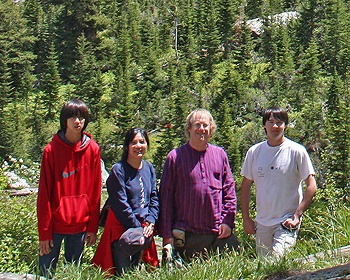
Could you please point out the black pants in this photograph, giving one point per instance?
(122, 259)
(201, 243)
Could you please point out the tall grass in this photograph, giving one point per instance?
(325, 227)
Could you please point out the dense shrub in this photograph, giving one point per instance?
(18, 234)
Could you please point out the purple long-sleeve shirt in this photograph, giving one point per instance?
(197, 191)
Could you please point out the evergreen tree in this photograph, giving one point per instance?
(123, 115)
(88, 75)
(307, 23)
(152, 78)
(242, 46)
(172, 112)
(187, 46)
(50, 84)
(16, 80)
(230, 88)
(166, 136)
(226, 135)
(5, 89)
(134, 27)
(73, 19)
(182, 98)
(309, 76)
(276, 47)
(336, 154)
(254, 8)
(209, 37)
(333, 36)
(38, 136)
(229, 22)
(41, 23)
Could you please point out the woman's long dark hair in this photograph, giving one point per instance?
(129, 137)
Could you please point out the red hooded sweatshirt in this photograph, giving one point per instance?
(69, 187)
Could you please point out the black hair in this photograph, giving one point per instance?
(74, 108)
(277, 112)
(129, 137)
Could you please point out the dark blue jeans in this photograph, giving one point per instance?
(73, 249)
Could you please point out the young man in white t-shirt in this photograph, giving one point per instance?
(278, 167)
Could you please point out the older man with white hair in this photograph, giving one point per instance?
(197, 193)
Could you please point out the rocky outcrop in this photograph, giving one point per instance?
(256, 25)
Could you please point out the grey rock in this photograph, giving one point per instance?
(14, 276)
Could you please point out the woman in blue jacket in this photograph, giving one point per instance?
(133, 199)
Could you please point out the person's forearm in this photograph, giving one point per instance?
(245, 197)
(308, 196)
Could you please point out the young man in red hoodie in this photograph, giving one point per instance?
(69, 190)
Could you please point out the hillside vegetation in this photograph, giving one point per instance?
(149, 63)
(326, 227)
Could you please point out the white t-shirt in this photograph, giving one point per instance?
(278, 173)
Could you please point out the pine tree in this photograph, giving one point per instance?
(231, 88)
(166, 136)
(228, 22)
(135, 26)
(182, 98)
(308, 22)
(226, 135)
(187, 41)
(336, 154)
(5, 89)
(172, 112)
(308, 80)
(209, 37)
(333, 36)
(254, 8)
(16, 80)
(73, 19)
(88, 75)
(276, 47)
(242, 49)
(152, 78)
(50, 84)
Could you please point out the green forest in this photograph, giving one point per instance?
(149, 63)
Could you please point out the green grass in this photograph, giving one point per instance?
(18, 233)
(326, 226)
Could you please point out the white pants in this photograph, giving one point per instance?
(274, 239)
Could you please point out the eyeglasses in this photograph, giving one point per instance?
(80, 118)
(198, 125)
